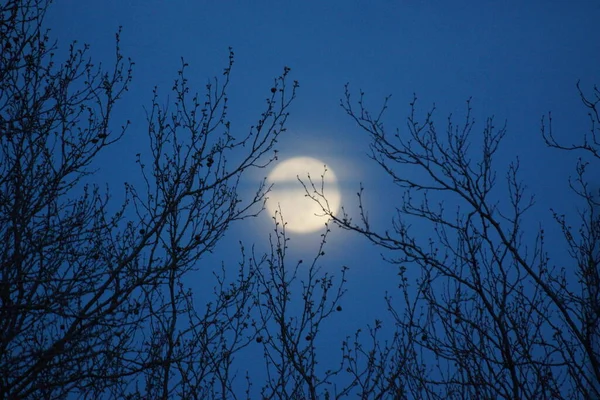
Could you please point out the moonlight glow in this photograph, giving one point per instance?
(301, 213)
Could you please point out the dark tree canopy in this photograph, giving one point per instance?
(492, 314)
(94, 301)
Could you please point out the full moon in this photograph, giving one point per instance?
(301, 213)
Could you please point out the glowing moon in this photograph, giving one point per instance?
(302, 214)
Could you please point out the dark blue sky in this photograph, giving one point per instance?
(516, 61)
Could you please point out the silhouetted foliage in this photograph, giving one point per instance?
(493, 314)
(92, 302)
(95, 297)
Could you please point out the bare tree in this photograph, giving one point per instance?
(494, 313)
(585, 246)
(93, 302)
(292, 323)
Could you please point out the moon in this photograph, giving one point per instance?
(300, 213)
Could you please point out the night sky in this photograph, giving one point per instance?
(517, 62)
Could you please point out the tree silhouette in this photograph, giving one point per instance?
(94, 297)
(490, 315)
(92, 302)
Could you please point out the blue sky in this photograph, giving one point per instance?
(517, 60)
